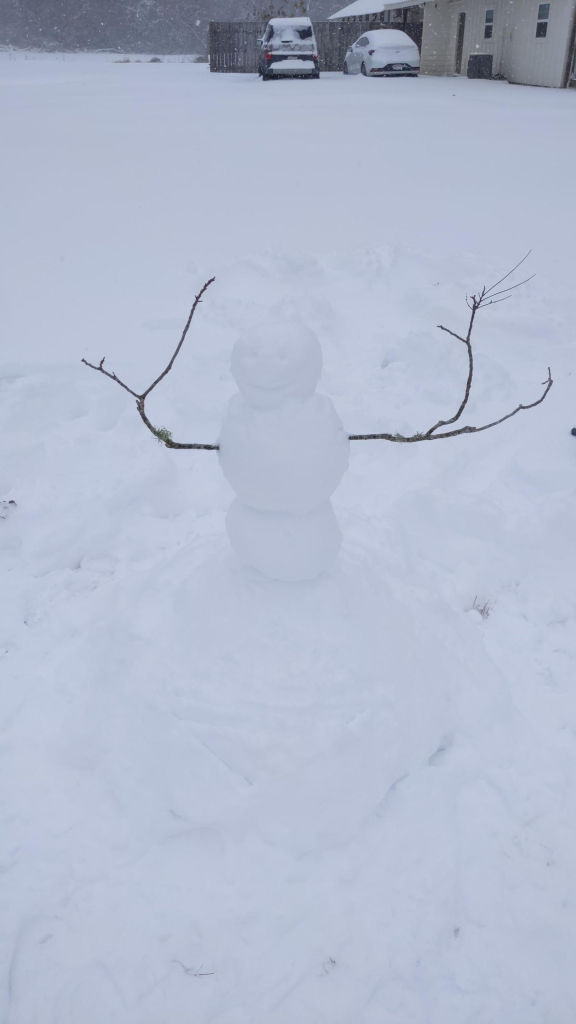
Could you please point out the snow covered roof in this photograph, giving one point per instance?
(290, 21)
(360, 7)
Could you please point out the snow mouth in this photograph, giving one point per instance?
(266, 387)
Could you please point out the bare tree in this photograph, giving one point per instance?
(485, 297)
(264, 10)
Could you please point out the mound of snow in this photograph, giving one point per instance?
(227, 800)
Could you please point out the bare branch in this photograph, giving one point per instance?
(160, 433)
(487, 301)
(454, 433)
(510, 272)
(197, 300)
(164, 436)
(494, 302)
(474, 303)
(453, 333)
(112, 376)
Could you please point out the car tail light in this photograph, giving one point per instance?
(314, 56)
(268, 56)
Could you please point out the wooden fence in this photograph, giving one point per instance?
(234, 44)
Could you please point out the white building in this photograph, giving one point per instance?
(531, 43)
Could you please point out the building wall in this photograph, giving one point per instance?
(441, 29)
(531, 61)
(517, 53)
(438, 40)
(474, 41)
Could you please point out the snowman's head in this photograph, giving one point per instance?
(275, 363)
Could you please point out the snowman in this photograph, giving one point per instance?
(284, 451)
(283, 448)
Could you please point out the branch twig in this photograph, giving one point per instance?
(161, 433)
(485, 297)
(195, 974)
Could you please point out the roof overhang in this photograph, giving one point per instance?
(361, 7)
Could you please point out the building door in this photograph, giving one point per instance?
(460, 41)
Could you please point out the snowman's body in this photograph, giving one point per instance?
(284, 451)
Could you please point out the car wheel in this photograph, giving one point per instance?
(363, 69)
(315, 75)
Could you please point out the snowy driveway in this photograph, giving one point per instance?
(350, 802)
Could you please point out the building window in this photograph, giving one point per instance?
(542, 23)
(489, 23)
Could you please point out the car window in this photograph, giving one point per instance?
(363, 41)
(269, 34)
(305, 33)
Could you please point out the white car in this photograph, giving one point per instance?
(383, 52)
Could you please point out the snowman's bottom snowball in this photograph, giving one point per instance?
(283, 546)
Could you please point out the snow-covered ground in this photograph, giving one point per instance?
(234, 801)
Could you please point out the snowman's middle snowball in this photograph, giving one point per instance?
(285, 459)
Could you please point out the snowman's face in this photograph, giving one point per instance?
(274, 363)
